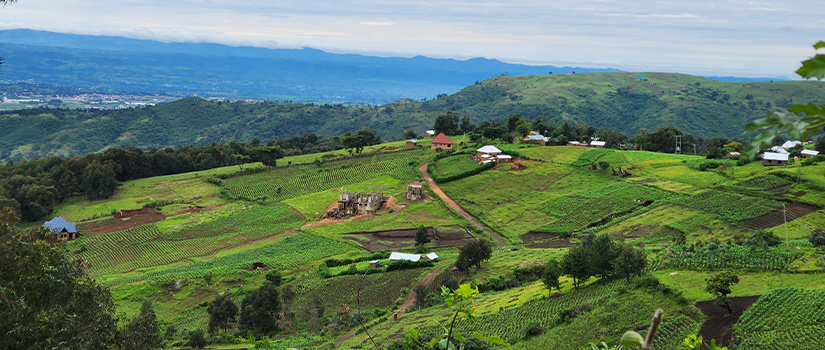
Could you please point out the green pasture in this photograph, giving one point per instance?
(692, 283)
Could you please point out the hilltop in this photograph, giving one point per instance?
(202, 234)
(618, 101)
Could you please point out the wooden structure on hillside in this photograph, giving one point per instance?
(357, 203)
(411, 144)
(772, 159)
(62, 230)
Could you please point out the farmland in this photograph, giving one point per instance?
(783, 318)
(201, 234)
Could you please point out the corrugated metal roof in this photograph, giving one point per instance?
(432, 256)
(413, 141)
(503, 156)
(791, 144)
(598, 143)
(810, 152)
(488, 149)
(536, 138)
(775, 156)
(404, 256)
(58, 224)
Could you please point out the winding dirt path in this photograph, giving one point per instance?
(452, 204)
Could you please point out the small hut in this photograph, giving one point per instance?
(441, 142)
(63, 230)
(414, 192)
(773, 159)
(412, 144)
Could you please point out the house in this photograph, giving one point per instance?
(414, 192)
(357, 203)
(441, 142)
(576, 143)
(63, 230)
(395, 256)
(504, 158)
(771, 158)
(732, 154)
(791, 144)
(597, 144)
(808, 153)
(536, 139)
(430, 257)
(412, 144)
(374, 264)
(430, 133)
(778, 149)
(488, 153)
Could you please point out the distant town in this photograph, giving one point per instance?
(28, 99)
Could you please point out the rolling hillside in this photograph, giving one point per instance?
(619, 101)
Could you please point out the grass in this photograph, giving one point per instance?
(453, 165)
(692, 283)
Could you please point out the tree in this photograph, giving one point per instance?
(46, 299)
(259, 309)
(196, 339)
(719, 287)
(601, 252)
(523, 129)
(222, 313)
(143, 332)
(466, 126)
(574, 264)
(447, 123)
(817, 238)
(421, 236)
(275, 277)
(631, 261)
(409, 134)
(763, 239)
(99, 181)
(473, 253)
(820, 144)
(550, 276)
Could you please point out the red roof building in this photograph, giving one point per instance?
(441, 142)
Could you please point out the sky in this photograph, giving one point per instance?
(710, 38)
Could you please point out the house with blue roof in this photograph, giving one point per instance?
(62, 229)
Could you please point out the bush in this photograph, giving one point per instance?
(533, 329)
(817, 238)
(406, 264)
(196, 339)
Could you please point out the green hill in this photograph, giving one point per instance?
(618, 101)
(212, 226)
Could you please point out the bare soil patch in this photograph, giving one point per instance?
(143, 217)
(778, 217)
(719, 324)
(400, 239)
(780, 189)
(645, 181)
(199, 209)
(638, 230)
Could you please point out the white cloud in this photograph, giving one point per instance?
(708, 37)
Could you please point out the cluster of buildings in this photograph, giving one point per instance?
(779, 155)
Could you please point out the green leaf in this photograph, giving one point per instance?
(433, 343)
(460, 337)
(819, 45)
(632, 339)
(492, 340)
(413, 334)
(809, 109)
(813, 68)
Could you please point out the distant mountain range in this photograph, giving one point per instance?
(626, 102)
(121, 65)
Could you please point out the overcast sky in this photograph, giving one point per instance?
(738, 38)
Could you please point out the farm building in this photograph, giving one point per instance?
(63, 230)
(535, 139)
(778, 149)
(732, 154)
(357, 203)
(597, 144)
(575, 143)
(431, 257)
(395, 256)
(808, 153)
(791, 144)
(414, 192)
(441, 142)
(412, 144)
(488, 152)
(504, 158)
(430, 133)
(771, 158)
(374, 264)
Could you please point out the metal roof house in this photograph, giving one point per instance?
(62, 229)
(537, 139)
(771, 159)
(791, 144)
(395, 256)
(598, 144)
(808, 153)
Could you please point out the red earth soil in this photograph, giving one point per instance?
(719, 324)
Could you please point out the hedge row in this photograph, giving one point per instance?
(471, 172)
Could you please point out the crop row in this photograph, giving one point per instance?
(766, 182)
(273, 187)
(591, 156)
(575, 212)
(546, 313)
(729, 206)
(289, 253)
(673, 331)
(694, 222)
(665, 164)
(784, 318)
(253, 223)
(452, 165)
(715, 256)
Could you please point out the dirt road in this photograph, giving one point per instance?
(452, 204)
